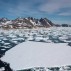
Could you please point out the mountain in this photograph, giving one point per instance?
(29, 22)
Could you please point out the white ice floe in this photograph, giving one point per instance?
(36, 54)
(3, 49)
(6, 44)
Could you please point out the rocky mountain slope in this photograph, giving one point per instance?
(29, 22)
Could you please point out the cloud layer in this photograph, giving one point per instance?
(55, 5)
(36, 8)
(19, 7)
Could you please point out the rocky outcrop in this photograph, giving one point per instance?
(29, 22)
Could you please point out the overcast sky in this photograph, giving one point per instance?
(58, 11)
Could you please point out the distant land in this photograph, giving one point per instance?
(28, 22)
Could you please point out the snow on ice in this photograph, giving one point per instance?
(37, 47)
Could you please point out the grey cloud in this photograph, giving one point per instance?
(54, 5)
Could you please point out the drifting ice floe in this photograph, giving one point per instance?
(36, 54)
(32, 53)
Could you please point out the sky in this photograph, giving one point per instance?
(58, 11)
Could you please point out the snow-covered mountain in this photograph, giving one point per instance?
(29, 22)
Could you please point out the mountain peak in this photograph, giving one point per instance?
(29, 22)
